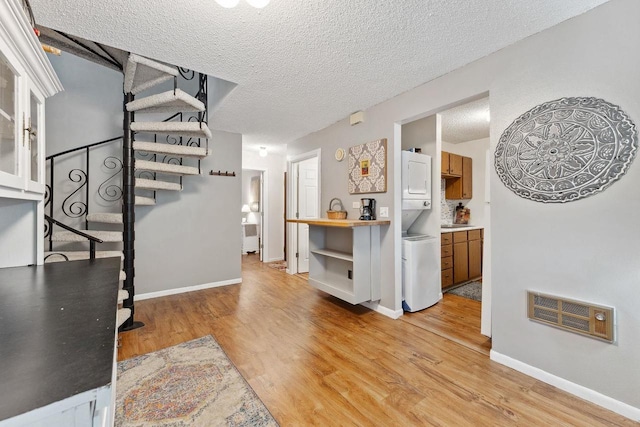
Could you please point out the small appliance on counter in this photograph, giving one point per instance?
(368, 209)
(462, 215)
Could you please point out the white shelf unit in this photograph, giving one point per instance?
(345, 261)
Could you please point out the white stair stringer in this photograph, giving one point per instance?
(123, 315)
(154, 184)
(167, 102)
(166, 168)
(188, 129)
(69, 236)
(174, 149)
(143, 73)
(105, 217)
(57, 256)
(145, 201)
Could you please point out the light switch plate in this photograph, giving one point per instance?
(355, 205)
(384, 212)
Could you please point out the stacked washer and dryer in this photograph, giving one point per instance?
(420, 252)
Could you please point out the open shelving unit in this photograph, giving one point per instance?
(344, 258)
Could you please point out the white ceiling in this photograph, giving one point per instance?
(466, 122)
(301, 65)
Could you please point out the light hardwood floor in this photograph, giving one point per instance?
(315, 360)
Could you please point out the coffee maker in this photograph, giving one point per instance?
(368, 209)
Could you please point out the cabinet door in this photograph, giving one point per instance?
(455, 165)
(460, 262)
(34, 141)
(444, 169)
(475, 258)
(467, 179)
(10, 123)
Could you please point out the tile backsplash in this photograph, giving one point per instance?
(448, 207)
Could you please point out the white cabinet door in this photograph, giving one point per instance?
(10, 119)
(33, 134)
(307, 207)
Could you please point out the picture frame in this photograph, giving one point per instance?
(368, 167)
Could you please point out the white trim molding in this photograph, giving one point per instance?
(375, 306)
(582, 392)
(175, 291)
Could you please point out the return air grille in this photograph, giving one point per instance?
(575, 316)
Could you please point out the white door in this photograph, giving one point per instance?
(307, 207)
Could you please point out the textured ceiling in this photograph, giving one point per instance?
(301, 65)
(466, 122)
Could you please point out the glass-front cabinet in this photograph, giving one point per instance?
(26, 78)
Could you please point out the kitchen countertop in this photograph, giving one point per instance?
(454, 229)
(345, 223)
(58, 331)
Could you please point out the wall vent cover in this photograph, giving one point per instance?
(575, 316)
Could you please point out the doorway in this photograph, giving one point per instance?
(303, 197)
(253, 212)
(460, 132)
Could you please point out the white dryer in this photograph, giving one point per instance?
(421, 277)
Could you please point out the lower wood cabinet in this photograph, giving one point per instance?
(461, 257)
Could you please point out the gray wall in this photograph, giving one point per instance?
(189, 238)
(583, 250)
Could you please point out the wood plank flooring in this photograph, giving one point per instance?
(455, 318)
(315, 360)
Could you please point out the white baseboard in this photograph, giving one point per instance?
(275, 259)
(176, 291)
(582, 392)
(375, 306)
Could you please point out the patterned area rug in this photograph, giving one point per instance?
(472, 290)
(190, 384)
(278, 265)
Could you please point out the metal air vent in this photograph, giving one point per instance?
(584, 318)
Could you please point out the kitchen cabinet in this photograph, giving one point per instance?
(461, 186)
(344, 258)
(451, 165)
(447, 260)
(461, 257)
(27, 79)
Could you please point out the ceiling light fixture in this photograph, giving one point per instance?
(228, 3)
(263, 152)
(258, 4)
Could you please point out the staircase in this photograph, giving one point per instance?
(148, 166)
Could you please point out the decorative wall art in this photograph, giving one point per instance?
(368, 167)
(566, 149)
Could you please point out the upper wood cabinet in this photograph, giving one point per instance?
(28, 79)
(458, 186)
(451, 165)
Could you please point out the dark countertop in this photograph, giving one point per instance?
(57, 331)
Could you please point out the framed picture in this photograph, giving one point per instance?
(368, 167)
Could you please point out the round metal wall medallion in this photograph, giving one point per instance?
(566, 149)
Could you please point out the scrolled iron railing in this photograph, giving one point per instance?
(92, 239)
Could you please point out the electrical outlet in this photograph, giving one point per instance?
(355, 205)
(384, 212)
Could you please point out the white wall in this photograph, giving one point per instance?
(275, 166)
(581, 250)
(477, 151)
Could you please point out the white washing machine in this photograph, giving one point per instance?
(420, 272)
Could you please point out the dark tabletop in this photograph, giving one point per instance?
(57, 331)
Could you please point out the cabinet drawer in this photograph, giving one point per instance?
(459, 236)
(447, 263)
(447, 251)
(474, 234)
(446, 239)
(447, 278)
